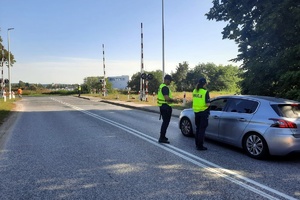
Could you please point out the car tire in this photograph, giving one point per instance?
(186, 127)
(255, 146)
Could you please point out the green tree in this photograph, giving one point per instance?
(22, 84)
(93, 84)
(220, 78)
(228, 78)
(193, 76)
(12, 58)
(267, 34)
(179, 77)
(153, 84)
(201, 70)
(2, 47)
(134, 83)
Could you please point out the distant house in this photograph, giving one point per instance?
(119, 82)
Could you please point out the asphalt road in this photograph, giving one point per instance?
(71, 148)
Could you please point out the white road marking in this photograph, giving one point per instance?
(232, 176)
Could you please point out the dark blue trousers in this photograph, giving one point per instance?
(166, 113)
(201, 121)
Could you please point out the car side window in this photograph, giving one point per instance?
(246, 106)
(232, 105)
(218, 104)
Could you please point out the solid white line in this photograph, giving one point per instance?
(209, 166)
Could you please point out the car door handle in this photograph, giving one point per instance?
(242, 120)
(216, 117)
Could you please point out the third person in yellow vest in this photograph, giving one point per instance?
(201, 102)
(79, 90)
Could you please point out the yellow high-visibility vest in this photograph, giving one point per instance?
(160, 97)
(199, 103)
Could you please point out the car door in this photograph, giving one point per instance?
(217, 107)
(235, 118)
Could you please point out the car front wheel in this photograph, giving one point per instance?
(186, 127)
(255, 146)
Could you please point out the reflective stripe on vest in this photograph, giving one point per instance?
(199, 103)
(160, 97)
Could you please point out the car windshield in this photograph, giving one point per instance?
(290, 110)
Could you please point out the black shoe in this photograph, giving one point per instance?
(201, 148)
(163, 140)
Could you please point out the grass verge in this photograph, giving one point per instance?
(6, 108)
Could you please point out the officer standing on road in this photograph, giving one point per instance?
(79, 90)
(164, 101)
(20, 93)
(201, 102)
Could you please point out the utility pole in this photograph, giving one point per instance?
(2, 66)
(163, 43)
(9, 75)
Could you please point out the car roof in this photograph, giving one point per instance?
(272, 100)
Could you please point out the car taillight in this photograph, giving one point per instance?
(281, 123)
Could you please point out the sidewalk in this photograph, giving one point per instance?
(132, 105)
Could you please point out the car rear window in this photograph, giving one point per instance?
(289, 110)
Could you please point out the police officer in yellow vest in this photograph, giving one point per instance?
(164, 101)
(201, 102)
(79, 90)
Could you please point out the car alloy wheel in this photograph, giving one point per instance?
(186, 127)
(255, 146)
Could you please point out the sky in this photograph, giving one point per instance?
(60, 41)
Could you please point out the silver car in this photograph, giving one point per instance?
(260, 125)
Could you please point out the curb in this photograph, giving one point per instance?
(129, 106)
(83, 97)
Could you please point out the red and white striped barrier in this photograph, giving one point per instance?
(184, 99)
(142, 90)
(104, 80)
